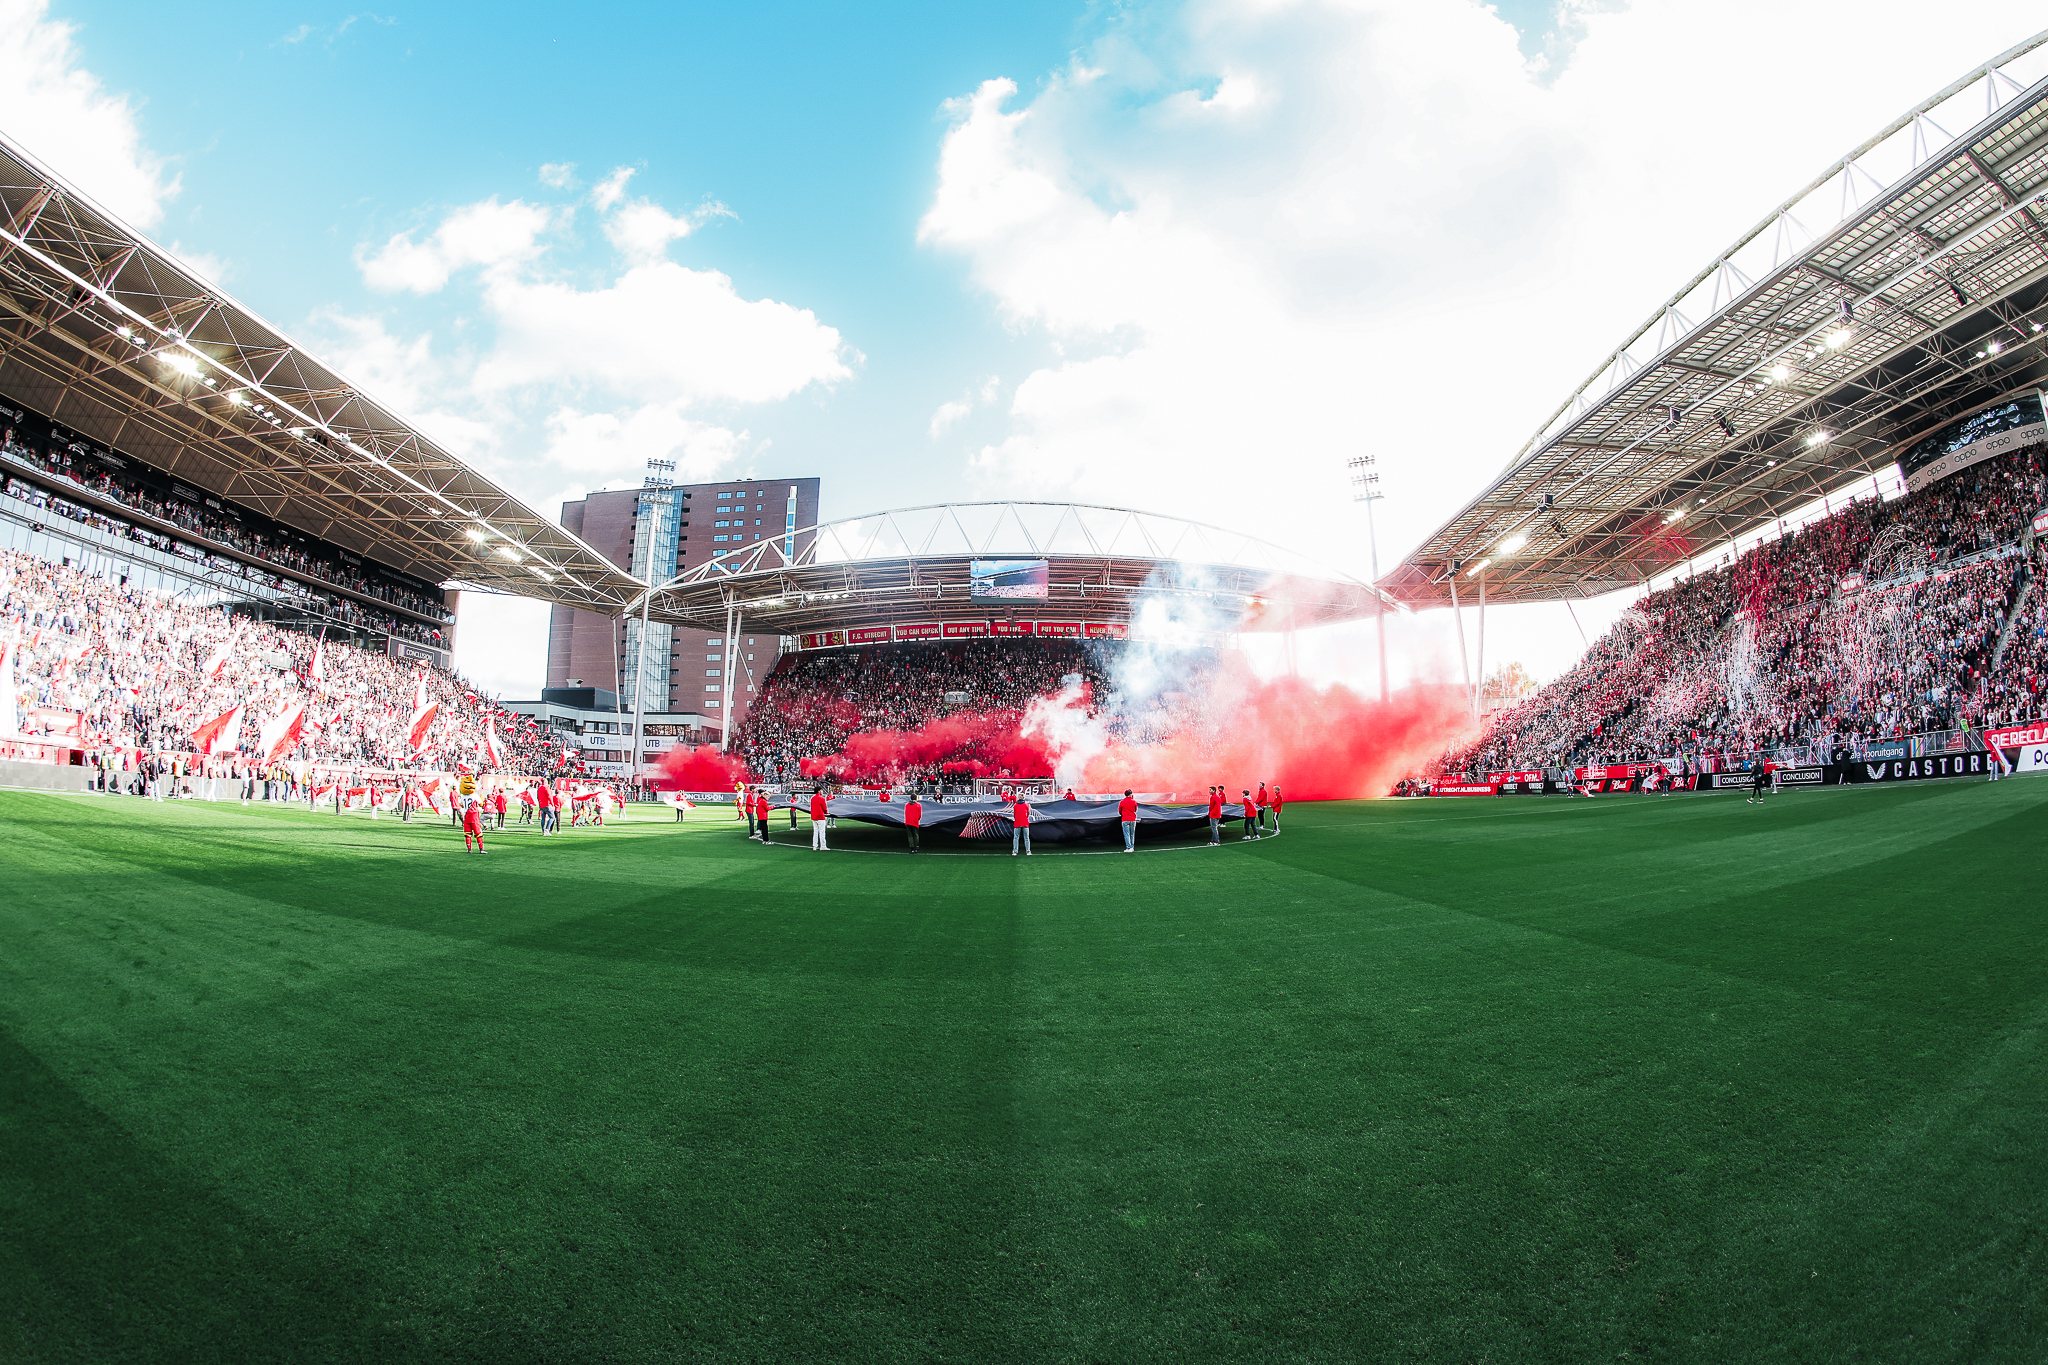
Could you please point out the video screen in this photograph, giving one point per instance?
(1007, 580)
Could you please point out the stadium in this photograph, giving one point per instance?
(1457, 1064)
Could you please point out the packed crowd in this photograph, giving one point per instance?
(219, 527)
(813, 703)
(1882, 620)
(125, 674)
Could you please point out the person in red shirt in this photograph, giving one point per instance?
(1273, 807)
(1251, 816)
(1127, 815)
(819, 810)
(550, 818)
(1215, 816)
(498, 804)
(1070, 793)
(760, 813)
(1020, 826)
(473, 825)
(913, 816)
(1261, 800)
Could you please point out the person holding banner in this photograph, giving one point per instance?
(913, 816)
(1020, 825)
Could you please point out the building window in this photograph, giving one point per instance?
(714, 673)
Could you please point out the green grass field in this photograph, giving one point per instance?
(1629, 1079)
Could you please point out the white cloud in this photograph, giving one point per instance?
(611, 189)
(1269, 237)
(660, 331)
(605, 445)
(488, 234)
(60, 114)
(642, 230)
(951, 412)
(559, 174)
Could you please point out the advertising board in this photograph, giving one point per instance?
(2034, 732)
(923, 630)
(1464, 789)
(964, 630)
(1917, 769)
(868, 635)
(1059, 629)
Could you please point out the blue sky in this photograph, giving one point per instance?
(1186, 257)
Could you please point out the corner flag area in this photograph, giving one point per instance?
(1644, 1078)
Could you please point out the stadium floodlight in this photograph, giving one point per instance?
(1839, 338)
(182, 363)
(1780, 373)
(237, 397)
(125, 332)
(1727, 427)
(477, 533)
(1814, 438)
(1674, 514)
(507, 552)
(1512, 543)
(1477, 567)
(1992, 347)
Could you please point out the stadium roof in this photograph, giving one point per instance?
(106, 332)
(1794, 364)
(912, 565)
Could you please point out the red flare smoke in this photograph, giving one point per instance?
(1317, 743)
(981, 744)
(702, 769)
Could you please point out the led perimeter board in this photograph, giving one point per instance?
(2001, 427)
(1009, 580)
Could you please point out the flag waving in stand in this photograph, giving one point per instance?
(423, 713)
(222, 732)
(494, 757)
(280, 735)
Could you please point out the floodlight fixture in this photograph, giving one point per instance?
(125, 332)
(1477, 567)
(1780, 373)
(1839, 338)
(237, 397)
(182, 363)
(507, 552)
(1512, 543)
(1814, 438)
(1675, 514)
(1727, 427)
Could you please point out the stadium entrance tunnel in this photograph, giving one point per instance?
(1052, 822)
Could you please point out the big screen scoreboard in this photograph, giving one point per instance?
(1009, 580)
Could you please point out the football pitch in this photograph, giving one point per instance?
(1639, 1078)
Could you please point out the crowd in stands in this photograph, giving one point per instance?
(222, 529)
(811, 704)
(1879, 621)
(129, 674)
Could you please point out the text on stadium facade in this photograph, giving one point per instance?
(962, 630)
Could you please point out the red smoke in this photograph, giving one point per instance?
(979, 744)
(1317, 743)
(702, 769)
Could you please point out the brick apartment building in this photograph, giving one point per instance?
(674, 528)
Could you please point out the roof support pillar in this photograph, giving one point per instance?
(1464, 659)
(1479, 695)
(732, 628)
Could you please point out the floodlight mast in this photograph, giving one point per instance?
(1367, 482)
